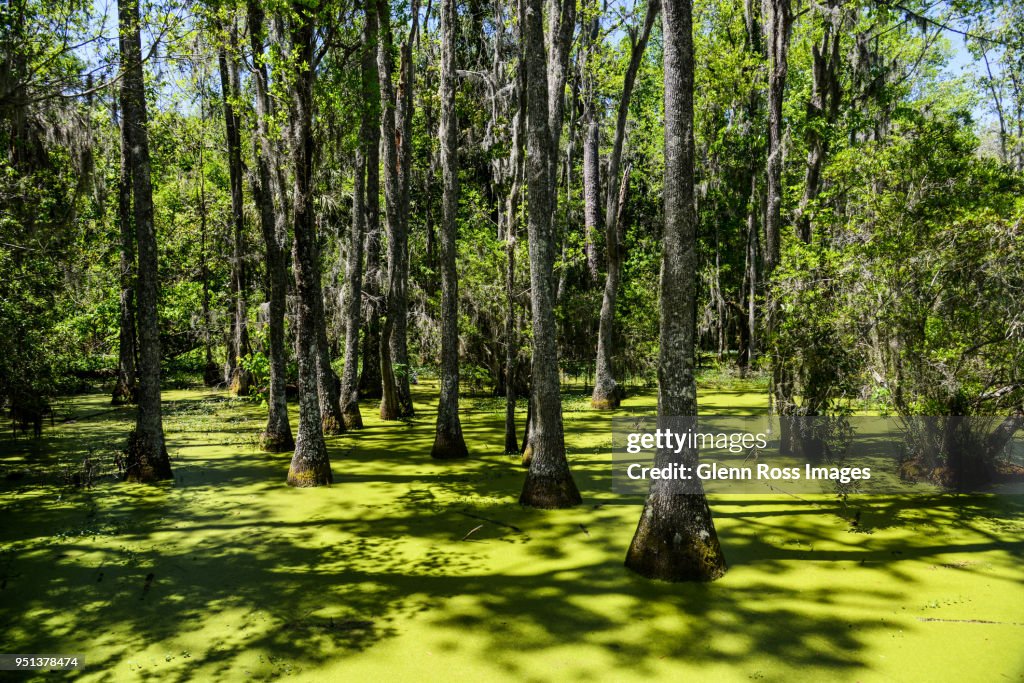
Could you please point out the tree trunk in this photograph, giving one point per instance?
(1018, 96)
(430, 283)
(675, 539)
(749, 352)
(353, 302)
(211, 373)
(277, 436)
(512, 202)
(126, 388)
(399, 340)
(511, 238)
(511, 441)
(238, 379)
(607, 393)
(752, 270)
(370, 373)
(549, 483)
(998, 102)
(370, 92)
(1001, 435)
(591, 189)
(310, 464)
(527, 453)
(448, 439)
(391, 148)
(146, 457)
(327, 382)
(555, 46)
(562, 24)
(822, 110)
(744, 335)
(780, 18)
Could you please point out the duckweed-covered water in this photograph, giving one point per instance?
(410, 569)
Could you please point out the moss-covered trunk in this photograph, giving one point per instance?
(147, 458)
(675, 539)
(448, 440)
(369, 374)
(368, 121)
(238, 378)
(396, 120)
(310, 464)
(126, 386)
(549, 483)
(277, 436)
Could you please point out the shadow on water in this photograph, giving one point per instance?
(227, 571)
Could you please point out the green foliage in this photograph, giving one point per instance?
(257, 364)
(907, 294)
(918, 287)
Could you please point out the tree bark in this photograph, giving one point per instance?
(146, 457)
(549, 483)
(126, 388)
(310, 464)
(391, 407)
(512, 203)
(780, 19)
(591, 183)
(970, 459)
(448, 440)
(607, 393)
(327, 381)
(779, 15)
(998, 102)
(328, 384)
(675, 539)
(749, 352)
(370, 92)
(822, 110)
(1001, 435)
(752, 267)
(511, 440)
(370, 382)
(561, 26)
(511, 238)
(277, 436)
(211, 372)
(555, 46)
(396, 132)
(399, 341)
(238, 379)
(349, 394)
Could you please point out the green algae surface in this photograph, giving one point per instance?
(410, 569)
